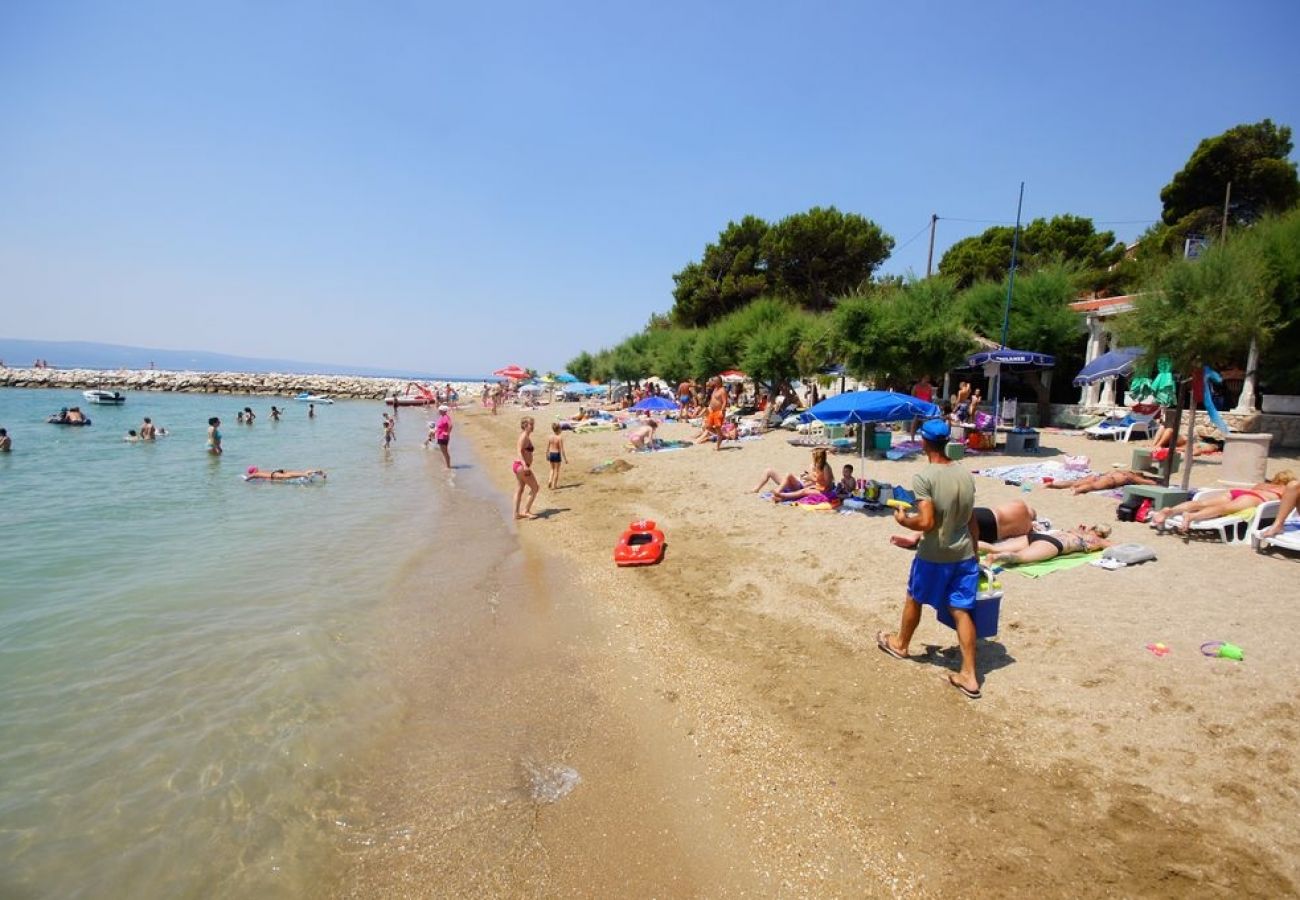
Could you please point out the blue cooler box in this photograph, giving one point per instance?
(987, 607)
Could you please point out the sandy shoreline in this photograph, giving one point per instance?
(739, 733)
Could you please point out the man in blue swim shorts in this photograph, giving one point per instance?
(946, 570)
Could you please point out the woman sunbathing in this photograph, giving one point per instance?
(1038, 546)
(793, 487)
(1225, 503)
(1104, 482)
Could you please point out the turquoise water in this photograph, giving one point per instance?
(192, 667)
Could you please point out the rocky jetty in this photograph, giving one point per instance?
(272, 384)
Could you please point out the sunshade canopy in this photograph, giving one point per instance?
(1006, 356)
(566, 378)
(1117, 362)
(514, 373)
(650, 404)
(871, 406)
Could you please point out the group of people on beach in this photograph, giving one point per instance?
(522, 466)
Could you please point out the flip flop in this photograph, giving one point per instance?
(882, 641)
(970, 695)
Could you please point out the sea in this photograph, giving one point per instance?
(203, 680)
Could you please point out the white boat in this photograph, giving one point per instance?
(305, 397)
(105, 398)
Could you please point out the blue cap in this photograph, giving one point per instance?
(935, 430)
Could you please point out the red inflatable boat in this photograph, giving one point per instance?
(641, 545)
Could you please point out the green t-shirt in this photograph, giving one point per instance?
(952, 491)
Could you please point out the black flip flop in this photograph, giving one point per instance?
(970, 695)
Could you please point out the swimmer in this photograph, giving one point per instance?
(131, 436)
(147, 431)
(256, 474)
(6, 442)
(214, 436)
(275, 414)
(390, 430)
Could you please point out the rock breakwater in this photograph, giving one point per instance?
(267, 384)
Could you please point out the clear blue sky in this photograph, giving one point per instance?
(454, 187)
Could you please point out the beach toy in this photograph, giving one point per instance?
(642, 544)
(898, 504)
(1158, 649)
(1223, 650)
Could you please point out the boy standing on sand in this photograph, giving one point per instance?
(946, 570)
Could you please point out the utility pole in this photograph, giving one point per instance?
(929, 259)
(1223, 229)
(1006, 317)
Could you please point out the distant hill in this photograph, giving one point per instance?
(85, 355)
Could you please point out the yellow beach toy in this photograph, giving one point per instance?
(898, 504)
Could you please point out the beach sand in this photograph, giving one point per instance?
(741, 734)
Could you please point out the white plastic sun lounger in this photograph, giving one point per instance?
(1265, 516)
(1235, 528)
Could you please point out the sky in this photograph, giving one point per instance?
(456, 187)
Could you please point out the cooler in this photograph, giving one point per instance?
(987, 607)
(882, 440)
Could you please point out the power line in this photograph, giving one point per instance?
(924, 229)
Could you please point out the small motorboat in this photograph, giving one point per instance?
(305, 397)
(641, 545)
(104, 398)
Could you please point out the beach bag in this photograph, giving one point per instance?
(1127, 511)
(1144, 511)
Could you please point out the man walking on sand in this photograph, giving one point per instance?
(946, 570)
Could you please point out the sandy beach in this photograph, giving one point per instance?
(771, 748)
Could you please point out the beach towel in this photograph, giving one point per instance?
(1056, 564)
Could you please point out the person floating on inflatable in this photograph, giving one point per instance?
(256, 474)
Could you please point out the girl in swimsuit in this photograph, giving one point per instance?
(820, 481)
(1038, 546)
(523, 468)
(555, 455)
(1224, 503)
(214, 436)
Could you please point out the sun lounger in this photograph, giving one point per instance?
(1234, 528)
(1266, 515)
(1123, 429)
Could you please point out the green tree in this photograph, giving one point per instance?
(1068, 239)
(732, 272)
(1255, 158)
(818, 256)
(1278, 241)
(582, 365)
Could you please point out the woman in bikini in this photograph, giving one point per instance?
(523, 468)
(820, 481)
(1104, 482)
(1290, 497)
(1225, 503)
(555, 455)
(1038, 546)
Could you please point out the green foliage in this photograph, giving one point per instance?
(809, 258)
(581, 366)
(731, 273)
(897, 336)
(1254, 158)
(1278, 241)
(817, 256)
(1206, 310)
(1040, 319)
(1068, 239)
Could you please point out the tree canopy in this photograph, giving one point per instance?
(1069, 239)
(1254, 158)
(808, 258)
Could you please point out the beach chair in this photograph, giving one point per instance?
(1235, 528)
(1265, 515)
(1123, 429)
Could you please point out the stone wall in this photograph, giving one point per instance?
(269, 384)
(1285, 429)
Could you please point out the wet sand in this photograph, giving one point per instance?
(738, 733)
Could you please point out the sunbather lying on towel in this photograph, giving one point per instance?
(1290, 494)
(820, 481)
(1013, 519)
(1104, 482)
(1044, 545)
(1225, 503)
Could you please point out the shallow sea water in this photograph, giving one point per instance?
(195, 670)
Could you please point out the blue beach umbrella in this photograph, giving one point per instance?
(654, 404)
(566, 378)
(1109, 365)
(871, 406)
